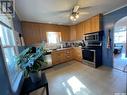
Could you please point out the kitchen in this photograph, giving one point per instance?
(78, 45)
(39, 31)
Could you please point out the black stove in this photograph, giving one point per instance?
(92, 50)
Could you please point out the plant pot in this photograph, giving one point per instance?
(35, 76)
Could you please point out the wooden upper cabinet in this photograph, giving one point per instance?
(43, 28)
(88, 24)
(78, 28)
(73, 32)
(35, 33)
(31, 33)
(26, 34)
(65, 33)
(84, 27)
(79, 32)
(96, 23)
(93, 24)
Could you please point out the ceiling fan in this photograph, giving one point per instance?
(76, 12)
(73, 13)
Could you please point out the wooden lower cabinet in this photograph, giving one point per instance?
(65, 55)
(77, 52)
(69, 54)
(58, 57)
(61, 56)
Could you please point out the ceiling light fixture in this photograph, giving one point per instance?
(74, 16)
(75, 9)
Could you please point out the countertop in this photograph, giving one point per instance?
(60, 49)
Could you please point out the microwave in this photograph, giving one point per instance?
(93, 36)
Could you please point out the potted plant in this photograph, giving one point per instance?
(31, 60)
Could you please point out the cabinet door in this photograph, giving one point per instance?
(36, 33)
(84, 27)
(31, 33)
(56, 58)
(43, 30)
(73, 33)
(79, 32)
(95, 23)
(88, 26)
(77, 53)
(62, 56)
(27, 34)
(65, 33)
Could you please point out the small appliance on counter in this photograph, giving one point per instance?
(66, 44)
(92, 49)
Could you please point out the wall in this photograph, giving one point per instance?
(109, 22)
(17, 24)
(18, 29)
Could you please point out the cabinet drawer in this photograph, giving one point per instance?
(68, 58)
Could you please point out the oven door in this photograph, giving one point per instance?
(89, 55)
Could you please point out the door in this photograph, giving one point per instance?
(120, 44)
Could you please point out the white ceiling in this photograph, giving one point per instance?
(53, 11)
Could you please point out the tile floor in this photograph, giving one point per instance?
(75, 78)
(120, 61)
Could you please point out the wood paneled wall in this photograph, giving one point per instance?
(35, 33)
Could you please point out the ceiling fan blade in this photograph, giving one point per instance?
(83, 13)
(84, 8)
(58, 12)
(52, 14)
(57, 16)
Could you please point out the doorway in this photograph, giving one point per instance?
(120, 45)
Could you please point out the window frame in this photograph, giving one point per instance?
(19, 75)
(59, 36)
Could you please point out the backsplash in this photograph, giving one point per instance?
(61, 45)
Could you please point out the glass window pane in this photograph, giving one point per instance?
(120, 35)
(10, 58)
(53, 37)
(11, 37)
(6, 36)
(2, 36)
